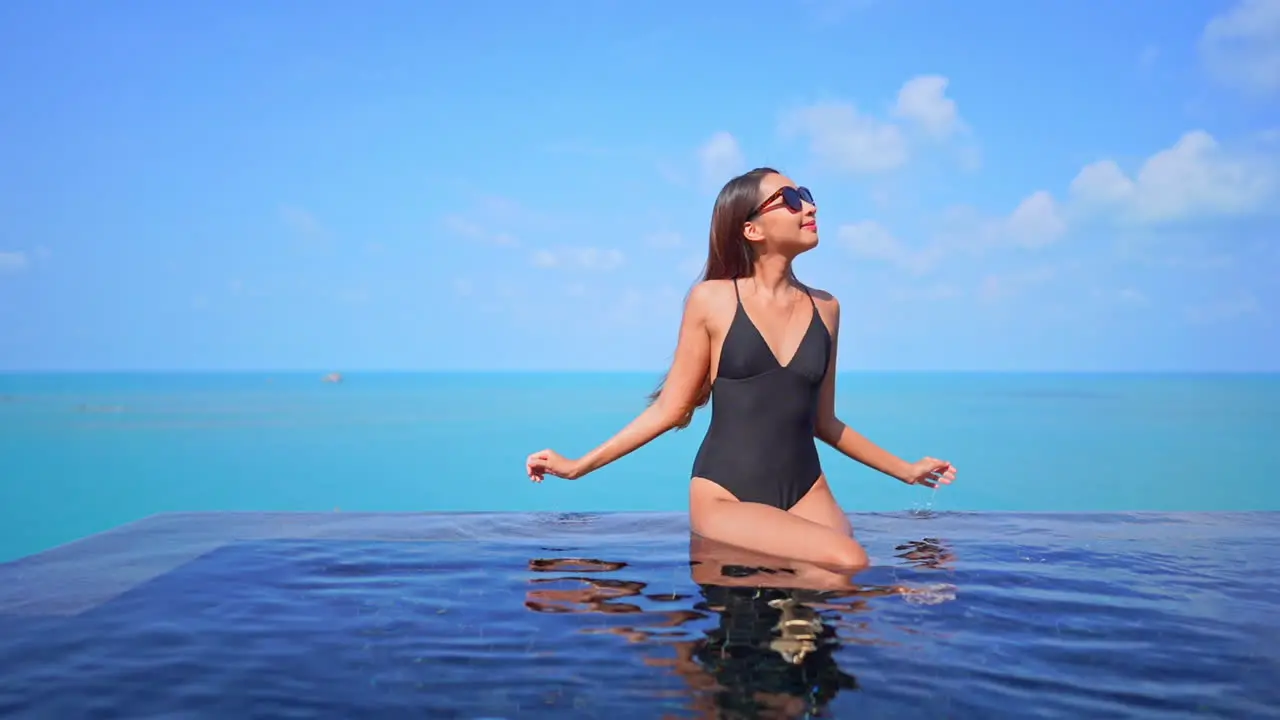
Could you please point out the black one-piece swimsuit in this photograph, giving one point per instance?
(760, 445)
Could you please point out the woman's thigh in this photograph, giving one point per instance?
(819, 505)
(819, 538)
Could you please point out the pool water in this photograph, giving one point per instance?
(963, 615)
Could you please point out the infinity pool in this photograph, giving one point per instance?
(620, 616)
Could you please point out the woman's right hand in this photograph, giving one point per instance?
(930, 472)
(550, 462)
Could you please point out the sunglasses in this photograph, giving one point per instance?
(793, 197)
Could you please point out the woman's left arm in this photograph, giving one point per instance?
(850, 442)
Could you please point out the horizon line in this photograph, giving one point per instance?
(658, 371)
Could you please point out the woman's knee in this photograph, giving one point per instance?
(846, 554)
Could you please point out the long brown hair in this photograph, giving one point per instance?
(729, 253)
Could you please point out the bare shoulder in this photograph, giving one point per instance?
(828, 307)
(711, 303)
(709, 297)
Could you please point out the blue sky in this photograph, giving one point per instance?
(414, 185)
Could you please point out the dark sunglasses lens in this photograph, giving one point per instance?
(792, 198)
(796, 197)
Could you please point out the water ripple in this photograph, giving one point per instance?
(581, 615)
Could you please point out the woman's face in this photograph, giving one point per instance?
(787, 220)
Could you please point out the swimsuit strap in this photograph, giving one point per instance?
(811, 300)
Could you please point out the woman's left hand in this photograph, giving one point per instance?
(930, 472)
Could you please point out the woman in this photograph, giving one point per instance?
(762, 347)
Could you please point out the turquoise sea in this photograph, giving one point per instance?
(82, 453)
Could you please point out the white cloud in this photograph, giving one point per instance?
(848, 139)
(922, 100)
(1241, 47)
(1194, 178)
(12, 262)
(1036, 221)
(870, 239)
(842, 137)
(597, 259)
(580, 258)
(500, 221)
(719, 159)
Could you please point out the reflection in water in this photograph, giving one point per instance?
(769, 631)
(928, 553)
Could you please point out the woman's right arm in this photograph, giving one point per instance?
(680, 393)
